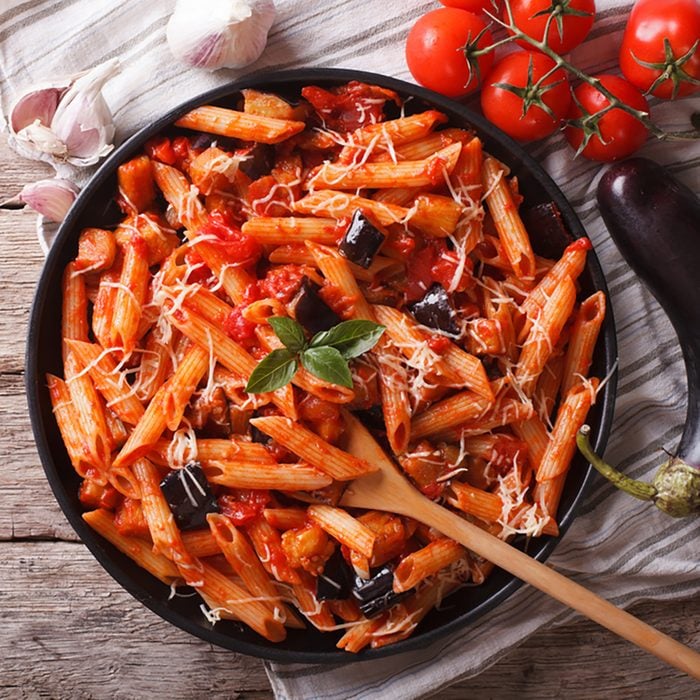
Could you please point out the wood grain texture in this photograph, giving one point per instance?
(67, 630)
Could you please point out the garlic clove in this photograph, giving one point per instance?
(83, 120)
(66, 121)
(215, 34)
(36, 105)
(41, 138)
(52, 198)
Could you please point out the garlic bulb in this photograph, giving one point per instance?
(215, 34)
(65, 122)
(52, 198)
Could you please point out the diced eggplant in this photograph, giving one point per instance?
(376, 594)
(435, 310)
(257, 435)
(547, 229)
(372, 418)
(259, 160)
(189, 496)
(311, 311)
(361, 241)
(336, 581)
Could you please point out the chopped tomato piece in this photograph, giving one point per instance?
(349, 106)
(239, 328)
(241, 250)
(282, 282)
(160, 148)
(243, 505)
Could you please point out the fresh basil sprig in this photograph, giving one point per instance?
(326, 355)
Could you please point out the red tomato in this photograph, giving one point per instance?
(434, 55)
(159, 148)
(243, 505)
(572, 21)
(242, 250)
(519, 114)
(475, 6)
(621, 133)
(654, 28)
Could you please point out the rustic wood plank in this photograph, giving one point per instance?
(76, 606)
(29, 508)
(21, 257)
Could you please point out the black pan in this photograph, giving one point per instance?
(94, 208)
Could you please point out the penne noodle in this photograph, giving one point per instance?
(108, 380)
(347, 530)
(131, 295)
(544, 334)
(449, 413)
(69, 426)
(292, 229)
(313, 449)
(417, 566)
(408, 173)
(239, 125)
(582, 341)
(74, 320)
(255, 475)
(90, 412)
(509, 225)
(140, 551)
(570, 417)
(164, 405)
(339, 205)
(241, 556)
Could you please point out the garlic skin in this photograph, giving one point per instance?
(52, 198)
(67, 122)
(214, 34)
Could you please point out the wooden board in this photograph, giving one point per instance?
(67, 630)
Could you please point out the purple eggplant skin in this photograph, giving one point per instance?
(655, 222)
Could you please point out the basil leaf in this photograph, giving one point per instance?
(273, 371)
(328, 364)
(289, 332)
(350, 338)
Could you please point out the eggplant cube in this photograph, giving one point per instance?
(335, 583)
(361, 241)
(435, 310)
(376, 595)
(311, 311)
(189, 496)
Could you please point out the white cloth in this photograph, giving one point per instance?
(618, 547)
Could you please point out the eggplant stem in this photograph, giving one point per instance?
(639, 489)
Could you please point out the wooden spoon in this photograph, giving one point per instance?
(387, 489)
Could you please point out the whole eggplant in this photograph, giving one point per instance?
(655, 222)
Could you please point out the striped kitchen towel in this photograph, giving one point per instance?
(618, 547)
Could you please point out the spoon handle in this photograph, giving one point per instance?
(559, 587)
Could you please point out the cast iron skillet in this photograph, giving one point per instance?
(93, 208)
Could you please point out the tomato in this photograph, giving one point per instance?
(664, 35)
(572, 21)
(282, 282)
(350, 106)
(518, 114)
(159, 148)
(243, 505)
(475, 6)
(237, 327)
(621, 133)
(241, 250)
(434, 51)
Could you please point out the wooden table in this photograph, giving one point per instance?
(67, 630)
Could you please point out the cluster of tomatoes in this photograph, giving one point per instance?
(527, 95)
